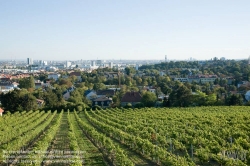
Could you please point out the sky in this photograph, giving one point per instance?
(124, 29)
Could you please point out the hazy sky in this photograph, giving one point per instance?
(124, 29)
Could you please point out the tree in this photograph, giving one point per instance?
(116, 101)
(128, 81)
(235, 99)
(158, 91)
(180, 96)
(38, 93)
(165, 102)
(244, 88)
(163, 79)
(81, 85)
(201, 99)
(220, 91)
(65, 82)
(89, 85)
(42, 77)
(130, 70)
(211, 99)
(99, 86)
(28, 102)
(138, 80)
(165, 88)
(232, 88)
(148, 99)
(18, 100)
(144, 81)
(75, 97)
(223, 82)
(53, 98)
(27, 83)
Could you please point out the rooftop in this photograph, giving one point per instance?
(131, 97)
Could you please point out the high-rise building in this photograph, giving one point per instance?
(99, 62)
(92, 63)
(136, 67)
(111, 64)
(29, 61)
(68, 64)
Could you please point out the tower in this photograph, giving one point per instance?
(136, 67)
(68, 64)
(166, 58)
(111, 65)
(29, 61)
(249, 60)
(92, 63)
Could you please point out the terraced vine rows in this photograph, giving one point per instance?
(149, 136)
(200, 136)
(133, 156)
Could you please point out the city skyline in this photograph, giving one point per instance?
(160, 60)
(91, 30)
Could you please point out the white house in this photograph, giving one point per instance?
(54, 76)
(207, 78)
(38, 84)
(197, 78)
(193, 79)
(7, 86)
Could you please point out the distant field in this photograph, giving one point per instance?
(150, 136)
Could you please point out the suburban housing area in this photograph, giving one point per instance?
(165, 84)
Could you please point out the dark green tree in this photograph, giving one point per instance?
(130, 70)
(18, 100)
(148, 99)
(53, 98)
(99, 86)
(75, 97)
(180, 96)
(235, 99)
(27, 83)
(165, 102)
(28, 102)
(165, 88)
(42, 77)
